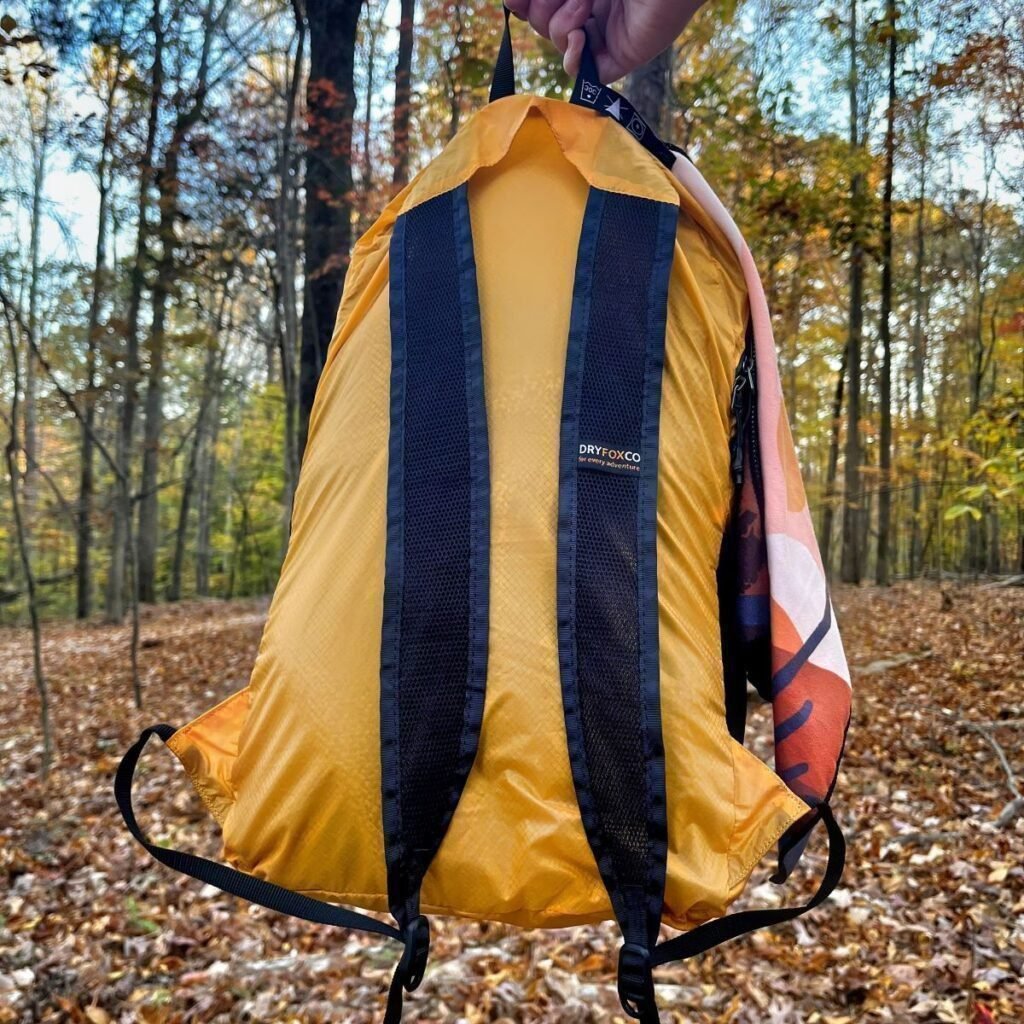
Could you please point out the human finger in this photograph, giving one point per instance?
(571, 15)
(520, 8)
(540, 15)
(573, 52)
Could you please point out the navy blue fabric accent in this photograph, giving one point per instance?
(794, 771)
(479, 483)
(791, 724)
(434, 641)
(607, 560)
(663, 252)
(788, 672)
(503, 80)
(394, 848)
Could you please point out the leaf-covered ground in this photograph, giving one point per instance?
(928, 925)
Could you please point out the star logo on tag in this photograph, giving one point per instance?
(636, 126)
(614, 109)
(589, 92)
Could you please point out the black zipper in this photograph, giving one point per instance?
(743, 406)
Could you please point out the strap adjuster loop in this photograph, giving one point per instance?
(636, 983)
(413, 964)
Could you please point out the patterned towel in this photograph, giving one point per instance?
(783, 604)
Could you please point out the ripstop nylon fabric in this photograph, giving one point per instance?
(290, 765)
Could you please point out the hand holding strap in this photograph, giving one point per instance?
(587, 91)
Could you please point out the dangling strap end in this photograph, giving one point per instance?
(636, 984)
(411, 968)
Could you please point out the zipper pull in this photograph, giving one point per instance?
(742, 403)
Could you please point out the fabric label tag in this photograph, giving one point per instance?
(610, 460)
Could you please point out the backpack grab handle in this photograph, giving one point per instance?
(587, 91)
(503, 81)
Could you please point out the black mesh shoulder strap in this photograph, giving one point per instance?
(607, 585)
(434, 644)
(607, 559)
(258, 890)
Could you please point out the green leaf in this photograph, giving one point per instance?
(136, 918)
(956, 511)
(974, 492)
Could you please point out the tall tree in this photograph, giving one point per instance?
(286, 305)
(212, 374)
(853, 498)
(108, 73)
(828, 510)
(12, 453)
(122, 544)
(882, 569)
(921, 135)
(403, 94)
(649, 89)
(330, 109)
(169, 185)
(39, 97)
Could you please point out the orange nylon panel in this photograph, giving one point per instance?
(300, 800)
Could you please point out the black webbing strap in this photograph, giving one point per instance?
(636, 963)
(714, 933)
(503, 81)
(265, 894)
(589, 92)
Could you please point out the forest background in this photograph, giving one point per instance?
(181, 182)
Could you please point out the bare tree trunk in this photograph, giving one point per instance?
(403, 94)
(40, 142)
(648, 89)
(86, 486)
(204, 502)
(366, 183)
(166, 271)
(852, 498)
(122, 550)
(11, 452)
(330, 107)
(882, 569)
(916, 552)
(287, 219)
(211, 383)
(980, 351)
(995, 560)
(149, 496)
(828, 510)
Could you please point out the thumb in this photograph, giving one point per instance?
(609, 69)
